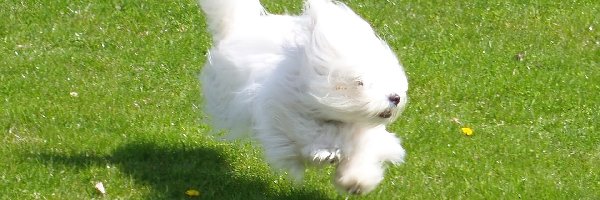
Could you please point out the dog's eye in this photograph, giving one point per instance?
(359, 83)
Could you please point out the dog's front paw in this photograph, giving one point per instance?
(358, 178)
(331, 156)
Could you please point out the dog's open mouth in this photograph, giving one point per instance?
(386, 114)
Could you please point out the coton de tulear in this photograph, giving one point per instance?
(312, 89)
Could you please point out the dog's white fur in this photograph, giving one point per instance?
(312, 89)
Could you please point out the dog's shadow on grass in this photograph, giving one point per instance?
(171, 171)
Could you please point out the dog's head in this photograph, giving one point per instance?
(351, 73)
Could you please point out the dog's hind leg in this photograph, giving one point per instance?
(282, 153)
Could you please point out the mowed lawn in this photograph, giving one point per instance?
(107, 91)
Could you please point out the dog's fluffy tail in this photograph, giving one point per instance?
(223, 14)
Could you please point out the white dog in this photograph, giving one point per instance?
(313, 89)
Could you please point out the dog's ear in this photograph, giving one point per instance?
(337, 33)
(335, 27)
(329, 28)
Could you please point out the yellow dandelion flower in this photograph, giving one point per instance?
(467, 131)
(192, 193)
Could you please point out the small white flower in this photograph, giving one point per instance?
(100, 187)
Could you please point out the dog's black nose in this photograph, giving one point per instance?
(394, 98)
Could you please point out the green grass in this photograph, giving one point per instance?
(106, 91)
